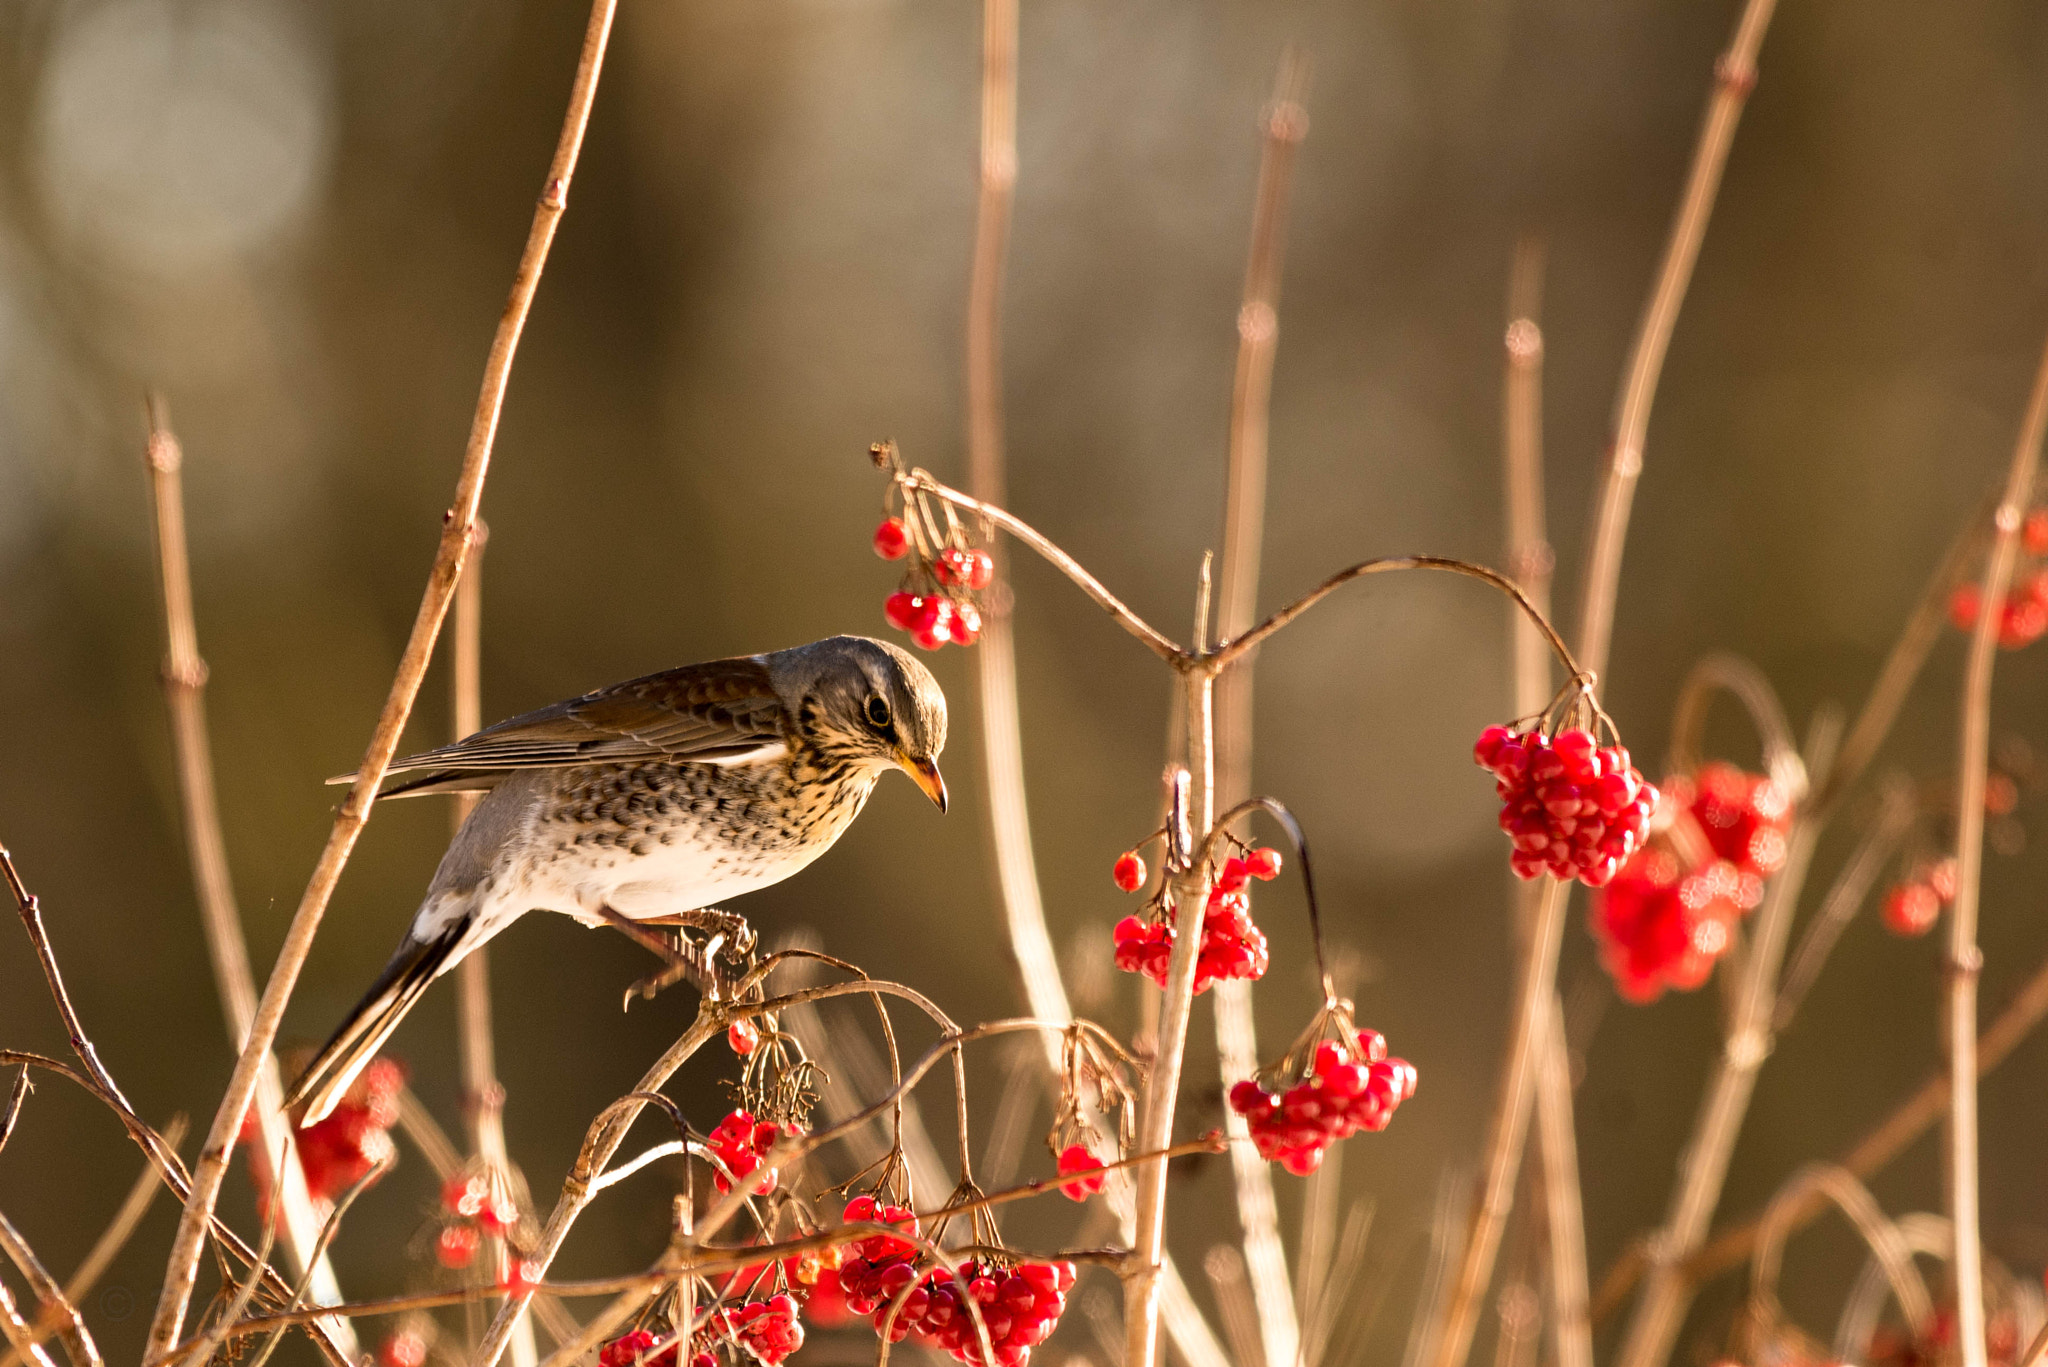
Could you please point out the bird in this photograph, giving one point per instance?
(648, 798)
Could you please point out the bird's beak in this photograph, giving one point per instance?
(925, 774)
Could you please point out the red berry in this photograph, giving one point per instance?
(1129, 872)
(1911, 909)
(902, 610)
(744, 1037)
(457, 1244)
(1964, 603)
(2034, 532)
(892, 539)
(978, 570)
(1076, 1158)
(966, 624)
(1263, 864)
(932, 626)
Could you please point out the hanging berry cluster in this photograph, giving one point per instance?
(938, 599)
(1020, 1306)
(1232, 946)
(1669, 915)
(2023, 615)
(1335, 1081)
(406, 1346)
(870, 1276)
(1571, 807)
(1076, 1144)
(1913, 905)
(768, 1329)
(354, 1138)
(474, 1204)
(741, 1144)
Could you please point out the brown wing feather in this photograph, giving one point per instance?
(702, 713)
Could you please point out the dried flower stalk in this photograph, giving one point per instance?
(1965, 961)
(457, 532)
(185, 675)
(1258, 335)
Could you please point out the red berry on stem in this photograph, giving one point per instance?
(2034, 532)
(1911, 909)
(1129, 872)
(892, 539)
(1263, 864)
(966, 624)
(744, 1037)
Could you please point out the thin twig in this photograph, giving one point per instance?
(58, 1312)
(185, 676)
(1734, 77)
(1852, 885)
(1965, 961)
(1826, 1182)
(456, 536)
(17, 1097)
(1508, 1127)
(1258, 335)
(1530, 561)
(16, 1331)
(1704, 1168)
(1155, 1123)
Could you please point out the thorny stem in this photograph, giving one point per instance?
(1965, 961)
(1258, 335)
(1530, 562)
(1734, 76)
(457, 532)
(185, 675)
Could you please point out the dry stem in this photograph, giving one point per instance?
(57, 1308)
(1507, 1129)
(1704, 1168)
(1965, 961)
(457, 532)
(1734, 76)
(1258, 334)
(1529, 561)
(185, 675)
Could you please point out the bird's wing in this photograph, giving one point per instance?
(724, 712)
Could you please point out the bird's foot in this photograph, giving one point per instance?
(709, 964)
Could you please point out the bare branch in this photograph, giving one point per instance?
(57, 1310)
(456, 538)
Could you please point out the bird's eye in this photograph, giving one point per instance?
(878, 713)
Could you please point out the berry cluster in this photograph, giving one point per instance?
(1671, 912)
(1232, 947)
(1913, 906)
(1744, 817)
(341, 1149)
(474, 1206)
(2023, 616)
(627, 1350)
(741, 1143)
(1660, 926)
(869, 1277)
(769, 1330)
(1572, 809)
(1346, 1089)
(1077, 1158)
(1020, 1308)
(935, 602)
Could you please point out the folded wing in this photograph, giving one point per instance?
(724, 712)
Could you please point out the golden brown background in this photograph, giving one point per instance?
(300, 221)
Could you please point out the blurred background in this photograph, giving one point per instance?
(300, 221)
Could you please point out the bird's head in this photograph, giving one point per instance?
(866, 702)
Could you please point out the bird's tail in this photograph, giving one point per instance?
(328, 1077)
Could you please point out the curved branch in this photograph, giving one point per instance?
(1744, 682)
(1887, 1245)
(1157, 641)
(1278, 811)
(1230, 650)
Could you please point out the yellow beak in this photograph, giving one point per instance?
(925, 774)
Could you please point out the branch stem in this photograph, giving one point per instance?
(1965, 961)
(459, 526)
